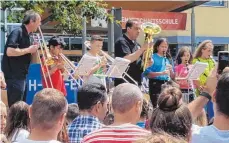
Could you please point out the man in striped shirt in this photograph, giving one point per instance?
(127, 105)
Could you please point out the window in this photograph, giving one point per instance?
(173, 50)
(215, 3)
(217, 48)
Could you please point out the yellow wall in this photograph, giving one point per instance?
(209, 21)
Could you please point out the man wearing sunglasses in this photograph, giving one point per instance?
(56, 45)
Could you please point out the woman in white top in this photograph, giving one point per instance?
(17, 126)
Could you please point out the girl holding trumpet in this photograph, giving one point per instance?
(56, 70)
(160, 71)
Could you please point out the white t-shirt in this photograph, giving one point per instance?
(209, 134)
(97, 79)
(19, 134)
(31, 141)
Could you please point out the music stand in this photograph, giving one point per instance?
(85, 64)
(118, 69)
(194, 73)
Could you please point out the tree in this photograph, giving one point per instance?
(68, 13)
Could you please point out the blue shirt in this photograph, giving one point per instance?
(81, 126)
(209, 134)
(159, 65)
(141, 124)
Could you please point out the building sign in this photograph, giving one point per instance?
(167, 20)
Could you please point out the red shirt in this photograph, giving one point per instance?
(126, 133)
(57, 80)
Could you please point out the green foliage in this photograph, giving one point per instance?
(68, 13)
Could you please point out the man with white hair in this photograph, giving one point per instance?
(127, 102)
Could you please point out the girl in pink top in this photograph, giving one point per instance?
(184, 60)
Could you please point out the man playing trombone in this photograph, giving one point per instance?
(56, 70)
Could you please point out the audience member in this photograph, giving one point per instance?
(92, 102)
(127, 102)
(73, 112)
(162, 137)
(144, 114)
(201, 120)
(171, 115)
(218, 132)
(3, 113)
(17, 127)
(47, 116)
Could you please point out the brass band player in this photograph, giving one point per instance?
(96, 45)
(56, 45)
(128, 48)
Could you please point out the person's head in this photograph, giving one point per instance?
(48, 110)
(92, 98)
(109, 119)
(145, 110)
(133, 29)
(162, 137)
(171, 115)
(56, 45)
(221, 98)
(73, 112)
(170, 83)
(184, 55)
(32, 20)
(204, 50)
(3, 114)
(18, 117)
(127, 101)
(201, 119)
(96, 43)
(161, 45)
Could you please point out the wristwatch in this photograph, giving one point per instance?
(207, 95)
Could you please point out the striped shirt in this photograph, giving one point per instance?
(125, 133)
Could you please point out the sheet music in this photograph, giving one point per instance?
(195, 72)
(118, 67)
(85, 64)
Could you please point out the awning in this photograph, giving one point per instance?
(158, 6)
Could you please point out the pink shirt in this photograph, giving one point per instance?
(182, 71)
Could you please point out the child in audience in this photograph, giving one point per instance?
(171, 115)
(144, 114)
(17, 126)
(73, 112)
(3, 115)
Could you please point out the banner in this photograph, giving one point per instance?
(34, 84)
(166, 20)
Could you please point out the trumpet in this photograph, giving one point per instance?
(149, 29)
(110, 61)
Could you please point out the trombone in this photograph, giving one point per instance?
(46, 55)
(69, 64)
(111, 59)
(49, 60)
(149, 30)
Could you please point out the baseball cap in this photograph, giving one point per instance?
(54, 41)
